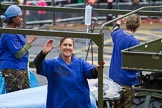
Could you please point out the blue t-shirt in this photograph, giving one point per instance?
(122, 40)
(67, 83)
(10, 44)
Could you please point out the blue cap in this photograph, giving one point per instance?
(11, 11)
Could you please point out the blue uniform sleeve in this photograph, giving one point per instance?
(47, 68)
(134, 42)
(43, 67)
(13, 43)
(87, 68)
(115, 27)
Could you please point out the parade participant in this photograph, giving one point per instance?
(67, 76)
(123, 39)
(14, 52)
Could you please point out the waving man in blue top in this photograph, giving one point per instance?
(67, 76)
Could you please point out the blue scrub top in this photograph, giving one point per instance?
(67, 83)
(10, 44)
(122, 40)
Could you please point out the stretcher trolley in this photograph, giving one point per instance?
(111, 92)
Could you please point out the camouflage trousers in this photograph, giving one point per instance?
(127, 96)
(15, 79)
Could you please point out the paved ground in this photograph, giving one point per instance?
(148, 31)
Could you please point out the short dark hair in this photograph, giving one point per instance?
(9, 20)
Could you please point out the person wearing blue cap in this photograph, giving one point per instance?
(14, 51)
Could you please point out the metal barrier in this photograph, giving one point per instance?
(75, 10)
(125, 15)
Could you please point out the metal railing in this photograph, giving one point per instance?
(125, 15)
(77, 10)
